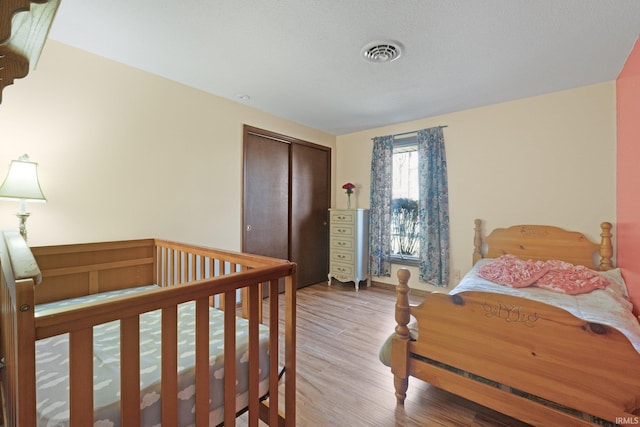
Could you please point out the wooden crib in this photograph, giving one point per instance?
(182, 273)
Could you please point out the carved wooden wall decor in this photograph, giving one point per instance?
(24, 25)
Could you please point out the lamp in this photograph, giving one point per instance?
(22, 184)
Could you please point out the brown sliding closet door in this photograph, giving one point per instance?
(309, 212)
(266, 197)
(286, 201)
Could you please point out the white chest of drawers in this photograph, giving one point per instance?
(349, 245)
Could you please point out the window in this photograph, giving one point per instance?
(422, 171)
(405, 220)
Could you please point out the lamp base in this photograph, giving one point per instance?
(23, 224)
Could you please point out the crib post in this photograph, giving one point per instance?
(400, 341)
(20, 274)
(290, 286)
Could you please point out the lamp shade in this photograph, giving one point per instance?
(22, 181)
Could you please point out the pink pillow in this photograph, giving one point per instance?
(569, 279)
(512, 271)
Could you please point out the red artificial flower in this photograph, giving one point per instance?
(349, 187)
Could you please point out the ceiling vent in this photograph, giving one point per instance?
(380, 52)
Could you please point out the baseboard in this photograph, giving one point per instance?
(392, 287)
(381, 285)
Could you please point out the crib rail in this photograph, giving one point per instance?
(183, 273)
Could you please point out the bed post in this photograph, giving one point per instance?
(400, 342)
(477, 241)
(606, 247)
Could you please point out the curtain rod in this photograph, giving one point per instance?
(413, 131)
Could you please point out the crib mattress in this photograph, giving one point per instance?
(52, 361)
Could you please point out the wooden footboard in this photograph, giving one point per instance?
(510, 342)
(184, 273)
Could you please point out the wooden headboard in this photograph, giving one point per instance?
(543, 242)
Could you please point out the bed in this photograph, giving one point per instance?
(102, 333)
(520, 356)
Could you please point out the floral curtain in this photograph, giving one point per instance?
(380, 207)
(433, 207)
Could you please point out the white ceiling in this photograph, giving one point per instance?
(301, 59)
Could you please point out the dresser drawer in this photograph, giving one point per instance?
(340, 269)
(344, 217)
(342, 230)
(344, 244)
(341, 256)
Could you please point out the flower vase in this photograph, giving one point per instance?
(348, 201)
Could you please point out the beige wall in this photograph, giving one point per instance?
(542, 160)
(125, 154)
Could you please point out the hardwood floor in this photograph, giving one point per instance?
(340, 380)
